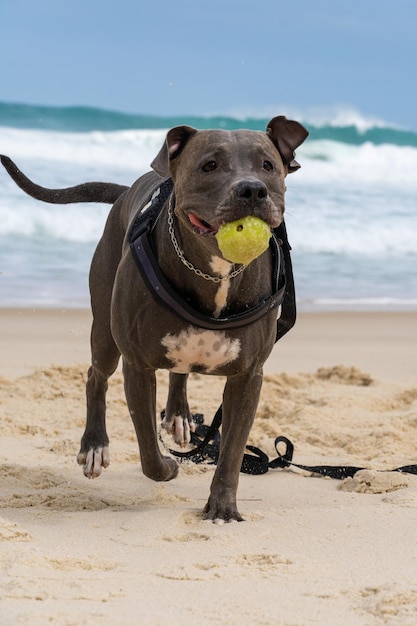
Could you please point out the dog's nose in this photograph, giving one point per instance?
(253, 191)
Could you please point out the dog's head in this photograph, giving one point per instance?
(220, 176)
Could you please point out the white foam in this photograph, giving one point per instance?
(93, 154)
(319, 116)
(359, 304)
(327, 162)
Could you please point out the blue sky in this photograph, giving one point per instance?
(224, 56)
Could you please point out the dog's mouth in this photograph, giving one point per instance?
(201, 226)
(205, 229)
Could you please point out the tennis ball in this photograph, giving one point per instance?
(243, 240)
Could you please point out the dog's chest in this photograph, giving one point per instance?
(195, 349)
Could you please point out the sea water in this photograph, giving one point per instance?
(351, 210)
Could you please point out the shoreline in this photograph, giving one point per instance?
(380, 343)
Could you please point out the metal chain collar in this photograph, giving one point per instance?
(188, 264)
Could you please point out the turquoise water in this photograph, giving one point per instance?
(86, 119)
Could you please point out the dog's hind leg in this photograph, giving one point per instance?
(178, 419)
(94, 451)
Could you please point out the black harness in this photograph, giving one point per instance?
(140, 240)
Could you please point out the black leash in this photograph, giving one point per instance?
(339, 472)
(257, 462)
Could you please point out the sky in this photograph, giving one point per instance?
(229, 57)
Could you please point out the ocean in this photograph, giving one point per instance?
(351, 211)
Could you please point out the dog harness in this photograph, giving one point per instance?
(140, 240)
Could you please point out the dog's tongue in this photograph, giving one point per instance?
(203, 227)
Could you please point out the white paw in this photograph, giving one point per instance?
(180, 429)
(94, 460)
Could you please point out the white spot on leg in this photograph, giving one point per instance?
(209, 349)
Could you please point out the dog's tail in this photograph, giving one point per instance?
(86, 192)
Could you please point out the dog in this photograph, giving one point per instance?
(216, 176)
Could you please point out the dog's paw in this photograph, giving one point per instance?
(162, 469)
(219, 512)
(180, 428)
(93, 460)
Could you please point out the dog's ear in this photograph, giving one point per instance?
(286, 135)
(174, 143)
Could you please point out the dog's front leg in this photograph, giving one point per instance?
(240, 401)
(140, 389)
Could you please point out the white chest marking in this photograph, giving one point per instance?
(209, 349)
(223, 268)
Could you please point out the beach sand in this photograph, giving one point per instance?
(123, 550)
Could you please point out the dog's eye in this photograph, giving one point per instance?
(267, 165)
(209, 166)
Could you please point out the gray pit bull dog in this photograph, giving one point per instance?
(218, 177)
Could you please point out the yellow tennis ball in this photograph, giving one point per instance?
(243, 240)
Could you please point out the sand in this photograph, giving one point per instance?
(123, 550)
